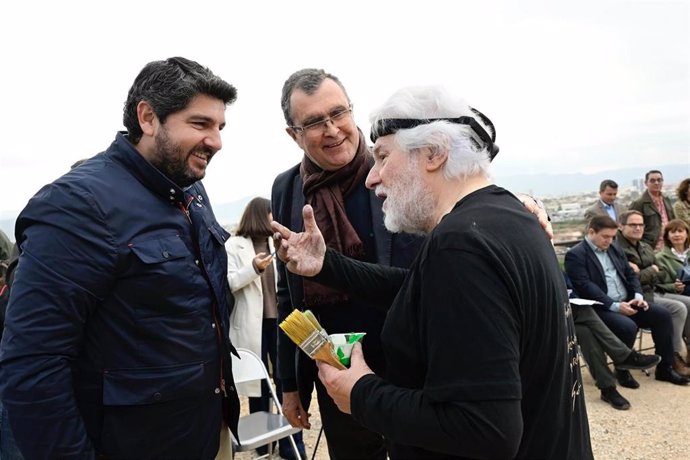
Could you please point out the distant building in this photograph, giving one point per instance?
(568, 211)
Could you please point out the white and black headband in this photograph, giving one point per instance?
(387, 126)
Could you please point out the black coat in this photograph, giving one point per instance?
(397, 250)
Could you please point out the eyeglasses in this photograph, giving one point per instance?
(338, 118)
(656, 181)
(635, 225)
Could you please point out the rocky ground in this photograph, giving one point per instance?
(657, 426)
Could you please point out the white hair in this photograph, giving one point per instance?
(468, 154)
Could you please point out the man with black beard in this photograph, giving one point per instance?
(118, 313)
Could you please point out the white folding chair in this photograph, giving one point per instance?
(259, 428)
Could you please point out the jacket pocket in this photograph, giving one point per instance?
(163, 249)
(219, 233)
(132, 387)
(161, 412)
(161, 278)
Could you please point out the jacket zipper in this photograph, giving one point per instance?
(185, 211)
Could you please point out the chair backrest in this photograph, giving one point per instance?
(263, 427)
(248, 367)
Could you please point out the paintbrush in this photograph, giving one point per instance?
(304, 329)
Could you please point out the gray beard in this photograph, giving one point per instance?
(410, 210)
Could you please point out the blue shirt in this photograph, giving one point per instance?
(610, 209)
(615, 287)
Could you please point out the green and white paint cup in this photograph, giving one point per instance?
(343, 343)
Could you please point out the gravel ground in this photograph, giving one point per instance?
(657, 426)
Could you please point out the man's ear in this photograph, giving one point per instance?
(148, 120)
(291, 132)
(434, 159)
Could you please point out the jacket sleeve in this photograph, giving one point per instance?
(584, 286)
(667, 273)
(636, 206)
(630, 277)
(286, 348)
(681, 212)
(240, 273)
(66, 268)
(671, 211)
(647, 275)
(375, 283)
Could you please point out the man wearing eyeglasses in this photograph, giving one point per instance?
(656, 209)
(599, 270)
(331, 178)
(641, 259)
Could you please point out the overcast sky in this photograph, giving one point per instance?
(571, 86)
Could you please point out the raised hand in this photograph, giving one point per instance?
(303, 252)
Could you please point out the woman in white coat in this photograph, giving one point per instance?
(251, 273)
(252, 277)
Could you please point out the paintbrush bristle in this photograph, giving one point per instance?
(310, 316)
(307, 333)
(297, 326)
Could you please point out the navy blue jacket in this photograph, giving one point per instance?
(587, 275)
(116, 341)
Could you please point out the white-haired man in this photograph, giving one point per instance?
(479, 343)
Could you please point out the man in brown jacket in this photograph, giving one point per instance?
(655, 208)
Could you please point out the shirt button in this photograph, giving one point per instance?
(196, 261)
(157, 396)
(216, 391)
(213, 325)
(166, 254)
(172, 190)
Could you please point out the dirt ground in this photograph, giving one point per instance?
(657, 426)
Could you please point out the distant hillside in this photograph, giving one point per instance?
(542, 185)
(554, 185)
(227, 214)
(7, 226)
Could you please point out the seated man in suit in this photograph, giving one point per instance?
(641, 259)
(606, 205)
(599, 271)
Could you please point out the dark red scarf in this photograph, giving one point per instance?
(325, 191)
